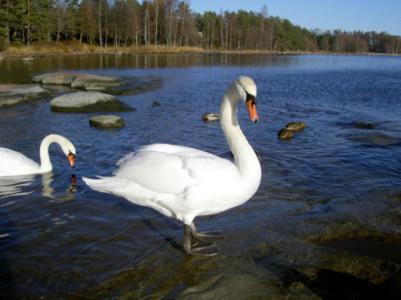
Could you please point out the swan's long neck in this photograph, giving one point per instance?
(45, 163)
(244, 156)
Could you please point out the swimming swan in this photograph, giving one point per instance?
(182, 182)
(13, 163)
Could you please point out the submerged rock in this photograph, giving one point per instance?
(210, 117)
(156, 104)
(12, 94)
(88, 102)
(107, 121)
(295, 126)
(360, 251)
(363, 125)
(375, 139)
(285, 134)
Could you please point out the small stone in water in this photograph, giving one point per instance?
(210, 117)
(156, 104)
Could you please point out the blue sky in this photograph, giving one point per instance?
(347, 15)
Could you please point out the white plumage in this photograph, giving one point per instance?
(13, 163)
(184, 182)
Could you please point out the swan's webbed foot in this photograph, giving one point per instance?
(206, 235)
(199, 247)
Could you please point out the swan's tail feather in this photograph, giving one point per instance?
(130, 191)
(105, 184)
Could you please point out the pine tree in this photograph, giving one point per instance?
(4, 24)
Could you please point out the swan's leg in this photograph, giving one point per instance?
(205, 235)
(196, 248)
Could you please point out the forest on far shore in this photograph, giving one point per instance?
(172, 23)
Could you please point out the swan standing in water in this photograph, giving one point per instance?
(183, 183)
(13, 163)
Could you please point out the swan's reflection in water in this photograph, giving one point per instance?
(58, 195)
(15, 186)
(24, 185)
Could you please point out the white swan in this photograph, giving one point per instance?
(183, 182)
(13, 163)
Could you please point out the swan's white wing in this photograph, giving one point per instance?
(164, 168)
(13, 163)
(167, 149)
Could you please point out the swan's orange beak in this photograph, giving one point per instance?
(253, 114)
(71, 159)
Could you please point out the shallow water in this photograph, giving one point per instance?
(60, 239)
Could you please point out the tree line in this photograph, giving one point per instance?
(171, 23)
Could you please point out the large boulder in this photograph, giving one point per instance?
(107, 121)
(12, 94)
(78, 80)
(88, 102)
(58, 78)
(91, 82)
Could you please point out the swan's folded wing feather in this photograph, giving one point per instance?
(175, 169)
(175, 149)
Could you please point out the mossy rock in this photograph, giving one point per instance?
(285, 134)
(295, 126)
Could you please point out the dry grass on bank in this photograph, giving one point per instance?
(75, 48)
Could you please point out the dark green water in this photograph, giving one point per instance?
(333, 181)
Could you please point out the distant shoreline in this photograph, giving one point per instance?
(65, 50)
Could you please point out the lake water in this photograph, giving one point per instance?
(334, 182)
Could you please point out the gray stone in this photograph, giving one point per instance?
(90, 82)
(12, 94)
(107, 121)
(58, 78)
(77, 80)
(88, 102)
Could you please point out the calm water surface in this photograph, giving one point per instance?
(59, 239)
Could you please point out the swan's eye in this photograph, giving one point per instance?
(250, 97)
